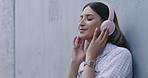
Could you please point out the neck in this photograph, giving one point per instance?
(88, 40)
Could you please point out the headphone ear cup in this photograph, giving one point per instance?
(108, 24)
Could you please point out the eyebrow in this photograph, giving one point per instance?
(87, 15)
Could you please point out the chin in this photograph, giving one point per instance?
(83, 36)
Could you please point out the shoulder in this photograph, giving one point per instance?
(122, 50)
(115, 62)
(114, 51)
(120, 54)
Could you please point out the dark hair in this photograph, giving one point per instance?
(102, 10)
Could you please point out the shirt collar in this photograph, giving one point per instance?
(107, 49)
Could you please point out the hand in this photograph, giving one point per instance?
(97, 44)
(78, 54)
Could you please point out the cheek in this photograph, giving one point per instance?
(93, 26)
(96, 23)
(92, 29)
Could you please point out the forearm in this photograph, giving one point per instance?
(88, 71)
(73, 70)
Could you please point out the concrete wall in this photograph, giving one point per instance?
(44, 31)
(6, 39)
(36, 42)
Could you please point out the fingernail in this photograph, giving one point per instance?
(96, 29)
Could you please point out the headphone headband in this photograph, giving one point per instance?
(111, 11)
(109, 23)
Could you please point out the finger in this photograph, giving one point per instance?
(105, 37)
(82, 44)
(74, 40)
(95, 35)
(86, 45)
(101, 35)
(78, 41)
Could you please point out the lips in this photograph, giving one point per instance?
(82, 30)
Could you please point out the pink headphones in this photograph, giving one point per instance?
(109, 22)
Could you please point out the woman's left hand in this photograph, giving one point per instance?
(78, 54)
(97, 44)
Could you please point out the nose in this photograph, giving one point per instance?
(81, 22)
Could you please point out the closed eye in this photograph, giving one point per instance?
(89, 19)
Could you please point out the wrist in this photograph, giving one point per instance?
(75, 63)
(91, 64)
(89, 58)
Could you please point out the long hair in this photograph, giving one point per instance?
(117, 37)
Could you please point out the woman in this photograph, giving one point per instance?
(104, 55)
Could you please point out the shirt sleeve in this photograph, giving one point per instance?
(118, 65)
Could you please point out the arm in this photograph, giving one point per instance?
(73, 70)
(94, 50)
(78, 56)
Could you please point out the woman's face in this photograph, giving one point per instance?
(88, 23)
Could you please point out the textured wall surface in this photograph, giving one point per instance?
(6, 39)
(44, 30)
(36, 35)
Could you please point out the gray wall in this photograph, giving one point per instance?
(6, 39)
(43, 34)
(36, 41)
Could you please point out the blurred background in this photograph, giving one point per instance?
(36, 35)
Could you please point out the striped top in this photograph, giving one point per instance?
(114, 62)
